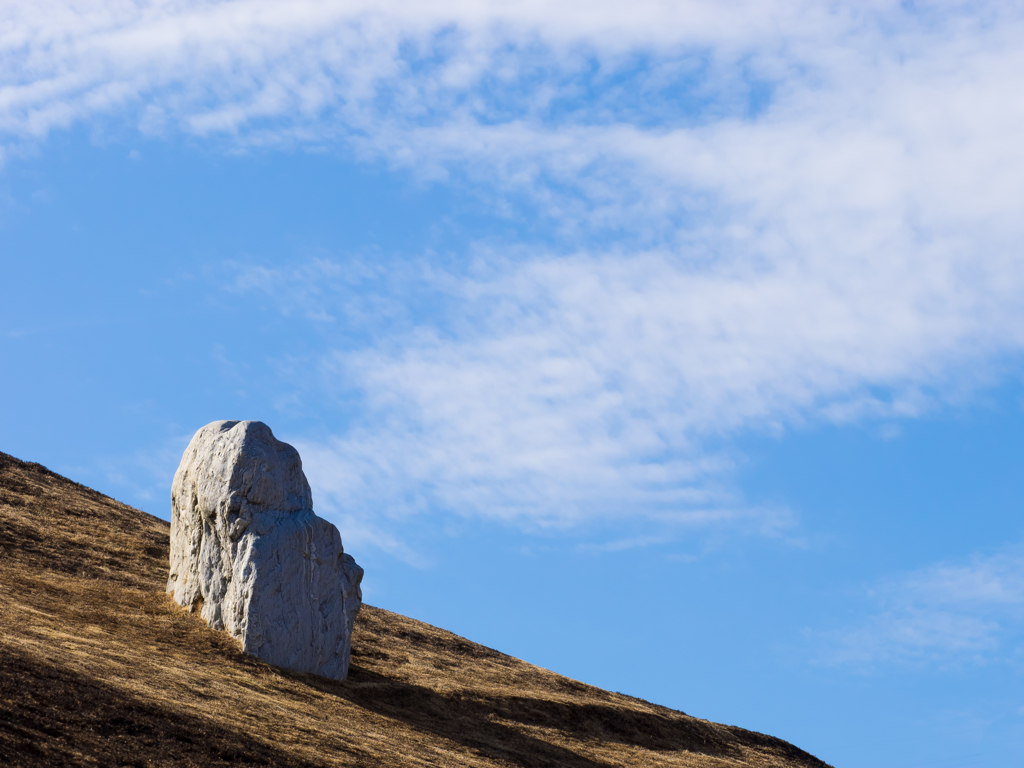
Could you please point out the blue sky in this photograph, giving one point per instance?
(673, 347)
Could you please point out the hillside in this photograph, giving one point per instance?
(99, 667)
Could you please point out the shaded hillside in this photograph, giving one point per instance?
(99, 667)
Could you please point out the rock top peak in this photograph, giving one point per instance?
(243, 462)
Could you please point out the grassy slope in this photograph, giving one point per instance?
(99, 667)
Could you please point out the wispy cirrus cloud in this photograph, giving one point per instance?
(559, 389)
(948, 613)
(217, 66)
(766, 213)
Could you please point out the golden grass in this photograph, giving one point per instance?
(98, 667)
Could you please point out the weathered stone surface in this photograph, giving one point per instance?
(248, 552)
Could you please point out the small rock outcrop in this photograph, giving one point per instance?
(250, 555)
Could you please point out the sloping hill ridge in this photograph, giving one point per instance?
(98, 667)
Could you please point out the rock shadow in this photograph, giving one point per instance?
(464, 720)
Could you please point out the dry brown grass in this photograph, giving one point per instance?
(99, 667)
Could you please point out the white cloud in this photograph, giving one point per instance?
(947, 613)
(777, 212)
(325, 68)
(560, 389)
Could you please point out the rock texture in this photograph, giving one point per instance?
(248, 552)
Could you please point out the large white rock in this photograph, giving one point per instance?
(248, 552)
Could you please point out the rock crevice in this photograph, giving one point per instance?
(249, 553)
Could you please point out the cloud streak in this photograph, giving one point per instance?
(766, 214)
(562, 389)
(948, 613)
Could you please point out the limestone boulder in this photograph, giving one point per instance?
(250, 555)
